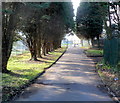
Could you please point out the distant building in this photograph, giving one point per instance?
(74, 41)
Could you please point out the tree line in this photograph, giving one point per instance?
(42, 26)
(93, 17)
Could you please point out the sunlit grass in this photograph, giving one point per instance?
(94, 52)
(24, 70)
(85, 47)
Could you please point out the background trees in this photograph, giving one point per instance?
(42, 25)
(92, 18)
(89, 20)
(113, 19)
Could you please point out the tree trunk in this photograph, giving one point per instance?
(7, 37)
(92, 41)
(33, 55)
(89, 42)
(55, 45)
(51, 47)
(98, 41)
(59, 44)
(48, 48)
(82, 42)
(39, 54)
(31, 40)
(34, 50)
(39, 48)
(44, 49)
(4, 65)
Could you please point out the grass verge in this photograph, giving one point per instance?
(23, 71)
(93, 52)
(110, 77)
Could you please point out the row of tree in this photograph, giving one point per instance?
(93, 17)
(42, 26)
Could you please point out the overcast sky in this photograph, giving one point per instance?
(75, 5)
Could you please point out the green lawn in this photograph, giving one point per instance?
(94, 52)
(24, 70)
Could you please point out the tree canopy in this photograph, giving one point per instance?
(89, 20)
(42, 24)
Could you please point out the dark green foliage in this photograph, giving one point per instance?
(42, 24)
(38, 5)
(68, 14)
(89, 20)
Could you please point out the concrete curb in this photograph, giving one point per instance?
(56, 60)
(22, 88)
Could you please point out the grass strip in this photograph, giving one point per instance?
(23, 71)
(94, 52)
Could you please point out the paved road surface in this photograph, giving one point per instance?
(72, 78)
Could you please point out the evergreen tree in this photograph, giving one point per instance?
(89, 20)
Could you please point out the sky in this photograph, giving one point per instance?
(75, 5)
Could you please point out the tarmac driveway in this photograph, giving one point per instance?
(72, 78)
